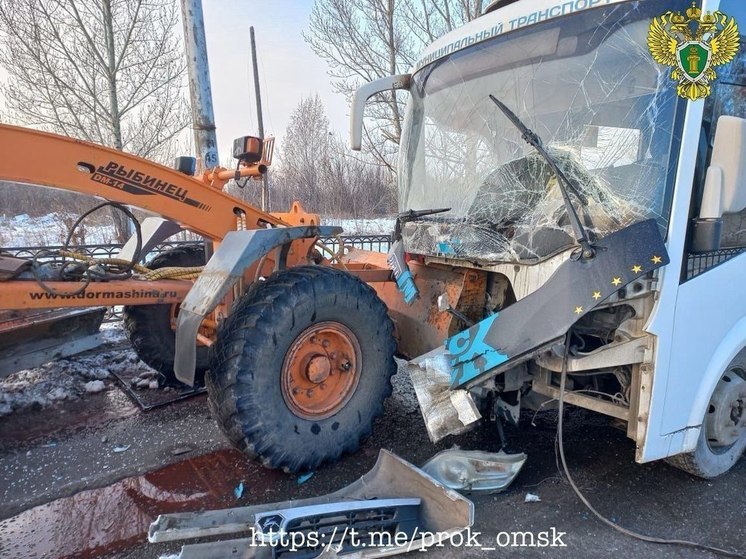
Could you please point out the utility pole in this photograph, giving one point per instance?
(259, 116)
(199, 83)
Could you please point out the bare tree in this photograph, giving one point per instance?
(317, 168)
(354, 187)
(429, 19)
(106, 71)
(363, 40)
(305, 145)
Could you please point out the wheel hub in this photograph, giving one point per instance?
(321, 370)
(318, 369)
(726, 418)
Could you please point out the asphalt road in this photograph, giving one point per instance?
(652, 498)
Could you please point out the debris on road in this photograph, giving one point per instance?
(121, 448)
(401, 515)
(238, 491)
(305, 477)
(475, 471)
(179, 450)
(394, 483)
(531, 498)
(142, 385)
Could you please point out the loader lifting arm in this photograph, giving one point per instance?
(43, 159)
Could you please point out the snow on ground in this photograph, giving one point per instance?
(48, 230)
(72, 377)
(52, 229)
(376, 226)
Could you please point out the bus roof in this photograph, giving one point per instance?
(503, 20)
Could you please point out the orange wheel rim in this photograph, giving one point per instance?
(321, 370)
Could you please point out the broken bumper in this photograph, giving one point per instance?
(393, 483)
(446, 411)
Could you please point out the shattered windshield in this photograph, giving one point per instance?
(588, 86)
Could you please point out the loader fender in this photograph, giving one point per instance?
(237, 251)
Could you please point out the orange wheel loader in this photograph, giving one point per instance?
(298, 349)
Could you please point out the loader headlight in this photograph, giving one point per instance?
(248, 149)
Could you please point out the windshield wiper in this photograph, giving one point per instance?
(411, 215)
(562, 181)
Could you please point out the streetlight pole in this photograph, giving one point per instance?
(199, 83)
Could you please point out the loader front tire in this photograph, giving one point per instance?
(301, 368)
(149, 327)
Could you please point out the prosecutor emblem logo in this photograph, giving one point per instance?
(693, 44)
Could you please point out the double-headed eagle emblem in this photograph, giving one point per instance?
(693, 44)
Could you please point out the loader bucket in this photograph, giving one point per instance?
(443, 513)
(34, 337)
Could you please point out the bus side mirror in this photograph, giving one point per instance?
(725, 184)
(708, 227)
(362, 95)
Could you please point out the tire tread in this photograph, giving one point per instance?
(244, 332)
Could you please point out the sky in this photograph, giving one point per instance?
(288, 68)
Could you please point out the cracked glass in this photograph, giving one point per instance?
(588, 86)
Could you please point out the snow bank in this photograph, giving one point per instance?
(70, 378)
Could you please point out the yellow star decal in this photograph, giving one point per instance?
(656, 259)
(636, 269)
(596, 295)
(578, 310)
(616, 281)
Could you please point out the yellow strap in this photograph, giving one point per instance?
(147, 274)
